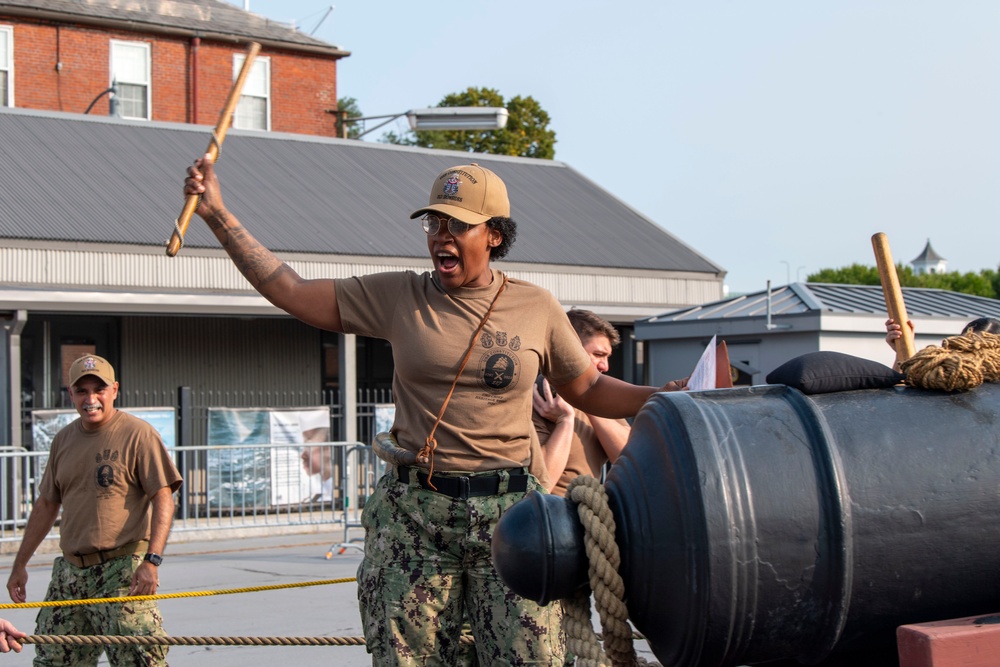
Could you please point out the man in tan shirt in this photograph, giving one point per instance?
(114, 481)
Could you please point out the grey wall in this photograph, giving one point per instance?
(159, 354)
(860, 335)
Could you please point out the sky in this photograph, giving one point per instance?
(772, 137)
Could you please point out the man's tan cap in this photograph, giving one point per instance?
(91, 365)
(470, 193)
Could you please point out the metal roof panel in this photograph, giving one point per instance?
(851, 299)
(70, 177)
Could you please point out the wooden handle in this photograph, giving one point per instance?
(893, 295)
(221, 128)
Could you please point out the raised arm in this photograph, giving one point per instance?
(605, 396)
(894, 332)
(312, 301)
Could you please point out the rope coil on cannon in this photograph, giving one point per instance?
(961, 363)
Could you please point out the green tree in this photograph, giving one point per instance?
(855, 274)
(350, 105)
(985, 283)
(527, 133)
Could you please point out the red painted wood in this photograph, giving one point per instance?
(962, 642)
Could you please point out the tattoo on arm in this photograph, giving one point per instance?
(257, 264)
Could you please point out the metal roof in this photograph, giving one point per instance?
(70, 177)
(204, 18)
(849, 299)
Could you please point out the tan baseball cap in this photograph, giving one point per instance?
(470, 193)
(91, 365)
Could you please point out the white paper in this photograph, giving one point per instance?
(703, 375)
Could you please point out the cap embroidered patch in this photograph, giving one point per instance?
(469, 193)
(91, 365)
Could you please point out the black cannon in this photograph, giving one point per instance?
(761, 524)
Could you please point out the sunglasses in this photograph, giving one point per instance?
(432, 223)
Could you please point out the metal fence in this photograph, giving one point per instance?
(230, 486)
(192, 408)
(225, 487)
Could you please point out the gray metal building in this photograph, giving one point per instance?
(764, 329)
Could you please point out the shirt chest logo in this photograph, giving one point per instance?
(499, 363)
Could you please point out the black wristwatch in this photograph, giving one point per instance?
(155, 559)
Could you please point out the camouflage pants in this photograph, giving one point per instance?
(428, 569)
(110, 579)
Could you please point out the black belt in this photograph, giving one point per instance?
(98, 557)
(467, 487)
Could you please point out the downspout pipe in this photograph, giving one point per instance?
(12, 328)
(195, 43)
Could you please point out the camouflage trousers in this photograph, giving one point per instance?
(428, 568)
(110, 579)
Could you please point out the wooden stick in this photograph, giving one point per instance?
(893, 295)
(218, 135)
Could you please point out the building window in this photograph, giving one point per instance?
(130, 69)
(254, 109)
(6, 66)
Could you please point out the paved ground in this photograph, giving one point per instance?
(329, 610)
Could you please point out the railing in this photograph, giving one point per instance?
(231, 487)
(195, 405)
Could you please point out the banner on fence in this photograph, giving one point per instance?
(248, 477)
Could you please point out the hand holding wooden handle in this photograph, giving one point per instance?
(218, 135)
(893, 295)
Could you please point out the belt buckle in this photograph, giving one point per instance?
(463, 487)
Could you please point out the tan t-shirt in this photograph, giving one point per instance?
(487, 425)
(586, 455)
(104, 480)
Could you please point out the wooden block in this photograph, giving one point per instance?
(962, 642)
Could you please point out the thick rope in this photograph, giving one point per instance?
(581, 640)
(609, 589)
(171, 596)
(961, 363)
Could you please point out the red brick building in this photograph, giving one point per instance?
(168, 60)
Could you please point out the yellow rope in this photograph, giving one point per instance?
(155, 640)
(164, 640)
(170, 596)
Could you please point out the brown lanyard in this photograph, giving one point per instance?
(430, 444)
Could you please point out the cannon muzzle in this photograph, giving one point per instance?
(759, 524)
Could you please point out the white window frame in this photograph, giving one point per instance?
(261, 68)
(148, 83)
(8, 57)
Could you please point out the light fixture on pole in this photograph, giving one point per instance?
(434, 118)
(457, 118)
